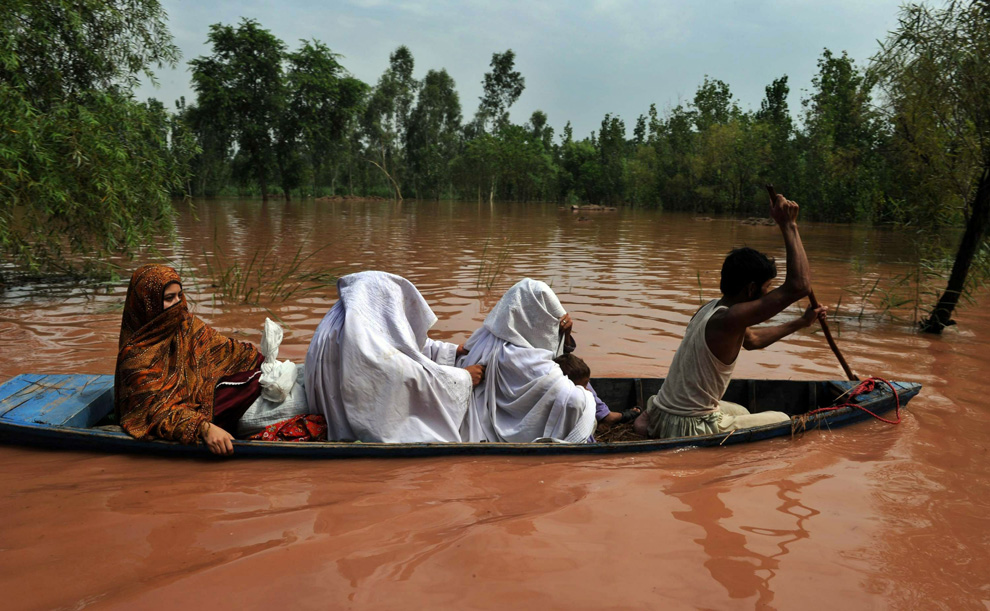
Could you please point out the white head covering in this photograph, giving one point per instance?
(528, 315)
(525, 396)
(366, 370)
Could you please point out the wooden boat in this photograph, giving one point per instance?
(72, 411)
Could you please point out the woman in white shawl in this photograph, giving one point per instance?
(525, 395)
(376, 376)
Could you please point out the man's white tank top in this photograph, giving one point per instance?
(696, 379)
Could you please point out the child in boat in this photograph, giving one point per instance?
(578, 372)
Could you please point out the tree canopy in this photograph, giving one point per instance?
(85, 169)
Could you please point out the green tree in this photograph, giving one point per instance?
(386, 117)
(935, 73)
(85, 170)
(502, 86)
(611, 146)
(478, 165)
(581, 172)
(713, 104)
(841, 173)
(240, 87)
(434, 133)
(540, 129)
(323, 100)
(673, 137)
(775, 115)
(210, 166)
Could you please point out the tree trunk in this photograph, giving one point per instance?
(976, 229)
(395, 185)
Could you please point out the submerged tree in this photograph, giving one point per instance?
(935, 72)
(502, 86)
(489, 146)
(387, 115)
(433, 134)
(323, 98)
(776, 116)
(85, 170)
(240, 86)
(842, 139)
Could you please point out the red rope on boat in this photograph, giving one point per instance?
(865, 387)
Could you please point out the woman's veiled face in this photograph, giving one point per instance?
(172, 295)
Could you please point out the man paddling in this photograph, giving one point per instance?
(690, 401)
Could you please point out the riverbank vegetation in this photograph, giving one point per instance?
(901, 139)
(85, 169)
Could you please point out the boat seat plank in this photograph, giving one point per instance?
(60, 400)
(13, 393)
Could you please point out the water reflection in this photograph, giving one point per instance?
(906, 505)
(731, 558)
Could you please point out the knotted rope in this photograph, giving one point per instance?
(865, 387)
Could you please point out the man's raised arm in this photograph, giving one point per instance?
(796, 284)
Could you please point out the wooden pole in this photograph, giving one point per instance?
(823, 322)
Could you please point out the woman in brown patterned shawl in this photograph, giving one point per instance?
(169, 363)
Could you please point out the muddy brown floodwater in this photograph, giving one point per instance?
(872, 516)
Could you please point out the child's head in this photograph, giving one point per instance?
(574, 368)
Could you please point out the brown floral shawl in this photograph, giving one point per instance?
(169, 362)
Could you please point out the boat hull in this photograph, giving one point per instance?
(60, 411)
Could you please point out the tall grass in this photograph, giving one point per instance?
(266, 277)
(910, 296)
(492, 263)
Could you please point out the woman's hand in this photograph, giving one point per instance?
(219, 441)
(477, 373)
(461, 351)
(566, 324)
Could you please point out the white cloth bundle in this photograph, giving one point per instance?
(264, 412)
(277, 379)
(373, 372)
(525, 396)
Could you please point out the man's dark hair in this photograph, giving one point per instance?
(745, 265)
(573, 367)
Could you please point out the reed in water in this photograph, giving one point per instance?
(265, 277)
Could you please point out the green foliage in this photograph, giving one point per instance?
(85, 170)
(52, 49)
(241, 90)
(841, 175)
(433, 134)
(386, 117)
(713, 104)
(323, 99)
(502, 87)
(935, 76)
(934, 71)
(297, 119)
